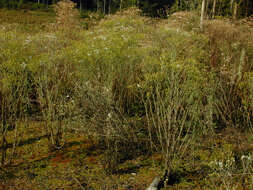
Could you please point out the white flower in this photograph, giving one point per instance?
(109, 116)
(245, 157)
(87, 83)
(3, 27)
(103, 37)
(23, 65)
(27, 41)
(106, 89)
(220, 164)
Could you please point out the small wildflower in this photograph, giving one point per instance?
(244, 157)
(27, 41)
(103, 37)
(220, 164)
(23, 65)
(109, 116)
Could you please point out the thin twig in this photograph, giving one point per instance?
(78, 182)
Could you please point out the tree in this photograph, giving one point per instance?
(202, 14)
(214, 8)
(154, 8)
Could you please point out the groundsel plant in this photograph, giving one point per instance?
(223, 167)
(226, 170)
(171, 112)
(247, 164)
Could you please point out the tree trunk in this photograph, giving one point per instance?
(247, 8)
(206, 8)
(109, 8)
(235, 11)
(120, 6)
(202, 14)
(231, 6)
(97, 5)
(214, 7)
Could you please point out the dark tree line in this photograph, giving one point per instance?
(240, 8)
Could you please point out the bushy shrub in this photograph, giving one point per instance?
(67, 18)
(14, 97)
(230, 60)
(174, 92)
(34, 80)
(54, 82)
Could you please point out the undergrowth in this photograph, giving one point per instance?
(115, 105)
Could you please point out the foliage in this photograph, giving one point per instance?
(127, 88)
(154, 8)
(67, 18)
(230, 60)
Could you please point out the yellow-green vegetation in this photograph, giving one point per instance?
(113, 106)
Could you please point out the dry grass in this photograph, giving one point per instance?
(26, 17)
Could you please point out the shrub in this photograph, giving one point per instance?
(67, 18)
(14, 104)
(173, 104)
(230, 60)
(54, 80)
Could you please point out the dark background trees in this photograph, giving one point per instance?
(161, 8)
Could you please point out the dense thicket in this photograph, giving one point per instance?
(240, 8)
